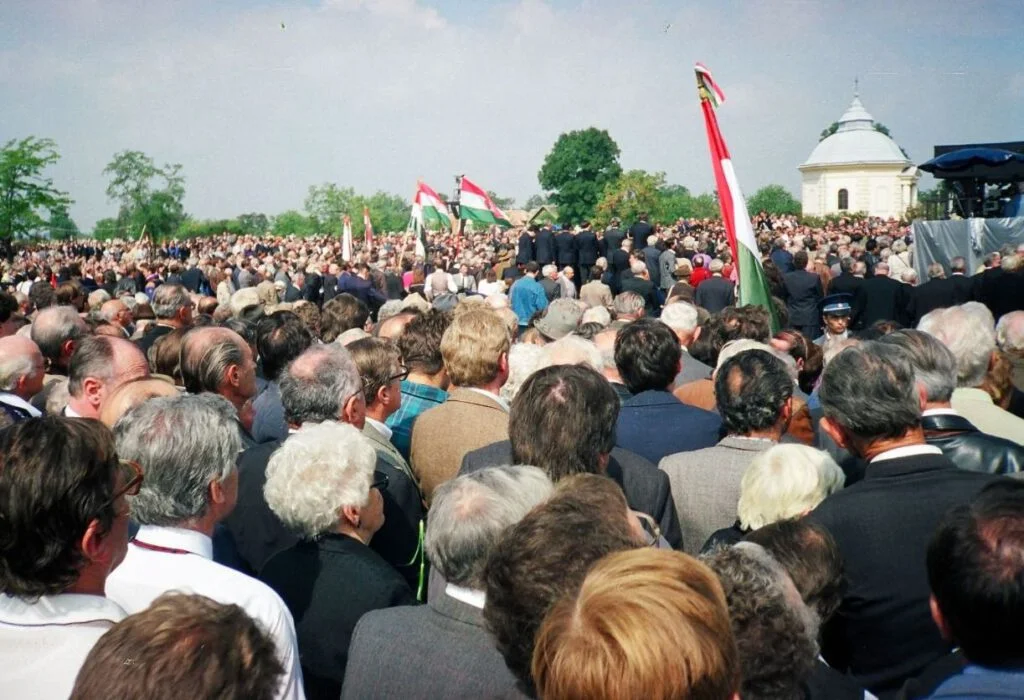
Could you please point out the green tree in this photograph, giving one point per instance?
(705, 206)
(388, 212)
(148, 196)
(535, 201)
(105, 229)
(828, 131)
(326, 204)
(62, 226)
(577, 170)
(774, 199)
(254, 224)
(501, 202)
(293, 223)
(630, 194)
(674, 202)
(25, 193)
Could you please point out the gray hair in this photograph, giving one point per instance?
(523, 360)
(315, 473)
(596, 314)
(391, 307)
(969, 334)
(716, 265)
(1010, 333)
(786, 481)
(93, 357)
(637, 267)
(183, 443)
(548, 269)
(628, 303)
(680, 316)
(870, 390)
(97, 298)
(317, 383)
(169, 299)
(206, 354)
(934, 364)
(14, 365)
(935, 271)
(909, 276)
(573, 350)
(54, 326)
(469, 513)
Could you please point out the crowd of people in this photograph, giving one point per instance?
(549, 462)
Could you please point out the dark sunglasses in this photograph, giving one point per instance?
(380, 481)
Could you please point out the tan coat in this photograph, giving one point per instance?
(596, 294)
(443, 435)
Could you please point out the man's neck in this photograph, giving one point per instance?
(169, 322)
(90, 581)
(934, 405)
(377, 412)
(435, 380)
(82, 407)
(871, 449)
(774, 434)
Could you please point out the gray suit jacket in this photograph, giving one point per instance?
(386, 451)
(706, 486)
(692, 370)
(438, 650)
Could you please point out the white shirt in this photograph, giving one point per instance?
(906, 451)
(71, 413)
(18, 402)
(380, 427)
(43, 644)
(939, 412)
(147, 573)
(466, 595)
(494, 397)
(488, 288)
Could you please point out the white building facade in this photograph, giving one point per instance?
(858, 169)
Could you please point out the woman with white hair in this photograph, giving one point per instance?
(785, 481)
(321, 484)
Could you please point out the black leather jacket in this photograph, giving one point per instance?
(971, 449)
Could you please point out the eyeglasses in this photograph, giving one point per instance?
(401, 376)
(380, 481)
(131, 474)
(651, 530)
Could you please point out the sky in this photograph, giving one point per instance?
(374, 94)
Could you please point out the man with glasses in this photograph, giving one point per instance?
(64, 530)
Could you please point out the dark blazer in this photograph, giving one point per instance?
(639, 232)
(644, 288)
(524, 253)
(803, 294)
(692, 370)
(191, 279)
(544, 246)
(330, 284)
(783, 260)
(361, 289)
(153, 333)
(714, 294)
(612, 240)
(651, 257)
(880, 298)
(963, 288)
(969, 448)
(552, 289)
(655, 424)
(845, 283)
(259, 533)
(587, 248)
(883, 632)
(437, 650)
(292, 293)
(646, 487)
(565, 248)
(933, 294)
(328, 584)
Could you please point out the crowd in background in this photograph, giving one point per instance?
(550, 462)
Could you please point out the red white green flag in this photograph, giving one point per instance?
(753, 285)
(474, 204)
(367, 228)
(428, 208)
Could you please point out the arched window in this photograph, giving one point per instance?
(844, 200)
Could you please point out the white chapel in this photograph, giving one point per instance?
(858, 169)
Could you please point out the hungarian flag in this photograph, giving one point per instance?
(753, 286)
(474, 204)
(367, 228)
(346, 238)
(431, 207)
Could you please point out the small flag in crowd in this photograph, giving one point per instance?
(367, 228)
(346, 238)
(753, 286)
(474, 204)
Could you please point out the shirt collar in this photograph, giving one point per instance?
(18, 402)
(494, 397)
(176, 538)
(466, 595)
(939, 412)
(906, 451)
(381, 428)
(71, 413)
(59, 609)
(423, 391)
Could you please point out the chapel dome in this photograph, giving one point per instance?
(856, 142)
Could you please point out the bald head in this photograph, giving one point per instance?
(98, 366)
(393, 327)
(21, 367)
(128, 396)
(605, 342)
(219, 361)
(117, 313)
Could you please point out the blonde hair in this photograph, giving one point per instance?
(646, 623)
(472, 347)
(786, 481)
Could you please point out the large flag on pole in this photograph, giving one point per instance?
(432, 208)
(474, 204)
(753, 286)
(367, 228)
(346, 238)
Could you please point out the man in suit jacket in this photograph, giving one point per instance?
(706, 482)
(525, 253)
(640, 231)
(640, 283)
(683, 319)
(880, 298)
(652, 255)
(549, 281)
(883, 632)
(173, 309)
(565, 248)
(442, 648)
(963, 286)
(667, 266)
(654, 423)
(937, 293)
(782, 258)
(803, 295)
(564, 423)
(544, 246)
(613, 237)
(587, 251)
(850, 277)
(618, 264)
(475, 351)
(322, 370)
(716, 292)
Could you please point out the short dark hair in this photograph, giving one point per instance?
(562, 419)
(547, 555)
(750, 322)
(800, 260)
(378, 361)
(420, 342)
(8, 306)
(647, 354)
(245, 329)
(811, 557)
(532, 266)
(751, 389)
(280, 338)
(182, 641)
(56, 477)
(164, 355)
(976, 573)
(41, 294)
(340, 314)
(93, 356)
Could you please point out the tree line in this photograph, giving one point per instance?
(580, 176)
